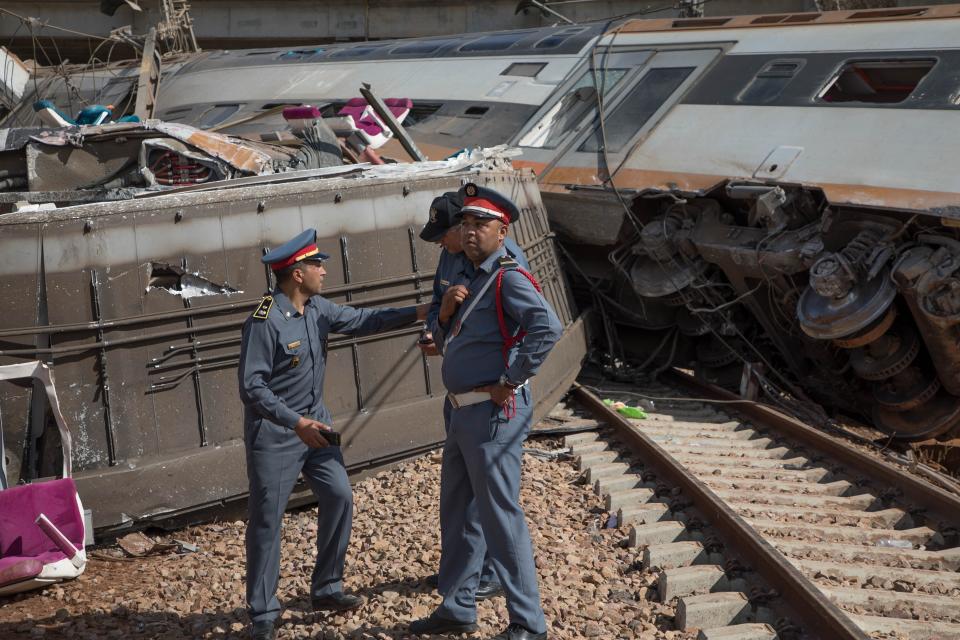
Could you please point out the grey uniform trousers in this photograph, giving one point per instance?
(472, 523)
(481, 465)
(274, 461)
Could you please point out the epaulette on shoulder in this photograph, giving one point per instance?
(263, 309)
(506, 262)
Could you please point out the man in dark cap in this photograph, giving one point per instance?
(443, 228)
(496, 330)
(287, 427)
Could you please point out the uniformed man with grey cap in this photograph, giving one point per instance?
(497, 330)
(443, 228)
(287, 427)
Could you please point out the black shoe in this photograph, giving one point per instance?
(519, 632)
(488, 590)
(436, 624)
(338, 601)
(263, 630)
(433, 580)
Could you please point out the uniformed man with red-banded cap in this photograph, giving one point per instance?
(287, 427)
(497, 330)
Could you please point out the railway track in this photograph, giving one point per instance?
(762, 527)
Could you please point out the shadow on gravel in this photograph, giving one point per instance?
(121, 622)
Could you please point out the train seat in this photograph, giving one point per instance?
(374, 132)
(34, 554)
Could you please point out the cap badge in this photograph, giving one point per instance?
(433, 214)
(471, 190)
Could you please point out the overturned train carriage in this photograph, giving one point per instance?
(137, 307)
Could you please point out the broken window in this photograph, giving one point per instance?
(632, 113)
(180, 282)
(770, 81)
(877, 81)
(570, 110)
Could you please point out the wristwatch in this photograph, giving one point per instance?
(505, 382)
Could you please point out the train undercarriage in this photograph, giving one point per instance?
(849, 314)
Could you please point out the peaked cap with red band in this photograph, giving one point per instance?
(302, 247)
(487, 203)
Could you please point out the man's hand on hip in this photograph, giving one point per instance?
(499, 393)
(311, 432)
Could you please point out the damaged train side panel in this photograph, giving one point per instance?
(138, 307)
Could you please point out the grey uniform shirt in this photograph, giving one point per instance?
(451, 270)
(474, 356)
(283, 357)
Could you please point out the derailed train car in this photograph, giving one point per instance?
(771, 189)
(137, 306)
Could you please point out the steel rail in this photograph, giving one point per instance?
(915, 490)
(815, 612)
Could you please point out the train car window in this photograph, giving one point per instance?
(570, 109)
(802, 17)
(770, 81)
(885, 13)
(637, 107)
(353, 52)
(494, 42)
(558, 38)
(174, 115)
(421, 47)
(420, 112)
(700, 22)
(786, 19)
(299, 54)
(217, 114)
(876, 81)
(525, 69)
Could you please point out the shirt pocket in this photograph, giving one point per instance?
(293, 348)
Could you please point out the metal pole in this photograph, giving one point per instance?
(386, 116)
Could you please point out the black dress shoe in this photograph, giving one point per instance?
(485, 591)
(264, 630)
(519, 632)
(436, 624)
(338, 601)
(488, 590)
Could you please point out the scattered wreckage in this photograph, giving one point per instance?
(717, 186)
(136, 301)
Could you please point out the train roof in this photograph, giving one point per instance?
(812, 18)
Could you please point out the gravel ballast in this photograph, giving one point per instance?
(590, 585)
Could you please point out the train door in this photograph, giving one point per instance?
(573, 107)
(623, 120)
